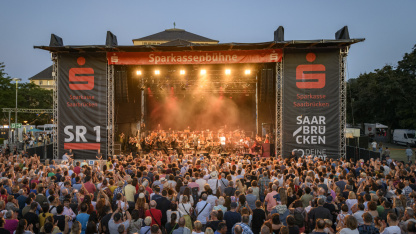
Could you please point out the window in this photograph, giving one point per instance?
(40, 82)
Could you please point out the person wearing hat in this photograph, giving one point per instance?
(214, 183)
(232, 217)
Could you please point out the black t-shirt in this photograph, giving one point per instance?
(294, 230)
(213, 224)
(4, 231)
(104, 222)
(259, 216)
(61, 221)
(231, 218)
(32, 218)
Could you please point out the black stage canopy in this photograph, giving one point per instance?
(295, 44)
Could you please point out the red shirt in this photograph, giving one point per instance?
(77, 170)
(156, 216)
(90, 187)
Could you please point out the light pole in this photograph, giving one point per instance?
(15, 111)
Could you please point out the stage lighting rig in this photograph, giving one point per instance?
(203, 72)
(182, 72)
(227, 72)
(157, 72)
(247, 72)
(139, 73)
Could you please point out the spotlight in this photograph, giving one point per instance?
(203, 72)
(227, 71)
(157, 72)
(139, 73)
(247, 72)
(182, 72)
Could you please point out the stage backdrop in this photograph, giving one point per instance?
(82, 109)
(311, 103)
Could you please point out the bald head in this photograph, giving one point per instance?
(152, 204)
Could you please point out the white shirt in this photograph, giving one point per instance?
(214, 184)
(203, 212)
(184, 208)
(392, 230)
(201, 183)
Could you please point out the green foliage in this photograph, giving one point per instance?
(29, 96)
(387, 95)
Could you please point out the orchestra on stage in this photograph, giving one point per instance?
(184, 142)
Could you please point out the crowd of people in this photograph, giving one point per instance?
(170, 194)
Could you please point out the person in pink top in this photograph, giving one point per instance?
(11, 221)
(270, 200)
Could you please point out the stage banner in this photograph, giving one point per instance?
(195, 57)
(311, 103)
(82, 104)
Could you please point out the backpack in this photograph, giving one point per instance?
(299, 219)
(194, 194)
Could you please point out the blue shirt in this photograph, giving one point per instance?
(83, 219)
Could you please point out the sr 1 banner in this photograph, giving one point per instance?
(311, 103)
(195, 57)
(82, 110)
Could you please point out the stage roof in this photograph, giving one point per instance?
(174, 34)
(295, 44)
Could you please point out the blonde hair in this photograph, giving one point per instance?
(209, 231)
(283, 196)
(352, 195)
(76, 228)
(198, 225)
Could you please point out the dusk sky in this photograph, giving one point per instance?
(388, 26)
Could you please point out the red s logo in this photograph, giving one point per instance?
(82, 81)
(315, 76)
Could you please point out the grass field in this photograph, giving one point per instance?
(397, 152)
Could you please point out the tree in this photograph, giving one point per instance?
(30, 96)
(386, 95)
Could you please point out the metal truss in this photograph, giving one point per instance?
(279, 108)
(110, 110)
(55, 134)
(23, 110)
(343, 100)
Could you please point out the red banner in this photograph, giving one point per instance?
(195, 57)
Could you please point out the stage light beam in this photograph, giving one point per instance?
(247, 72)
(227, 71)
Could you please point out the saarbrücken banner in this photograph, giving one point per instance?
(82, 104)
(311, 103)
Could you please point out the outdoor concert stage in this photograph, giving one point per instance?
(293, 90)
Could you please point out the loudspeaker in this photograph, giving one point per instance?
(279, 34)
(268, 150)
(56, 41)
(111, 39)
(342, 33)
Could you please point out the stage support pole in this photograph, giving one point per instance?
(110, 110)
(343, 100)
(55, 126)
(279, 109)
(142, 112)
(257, 106)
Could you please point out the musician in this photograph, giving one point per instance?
(160, 143)
(175, 146)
